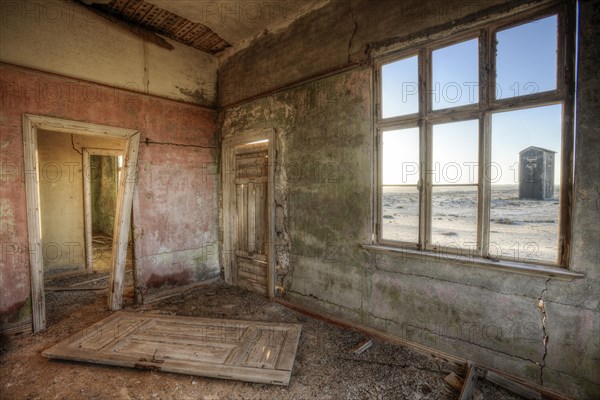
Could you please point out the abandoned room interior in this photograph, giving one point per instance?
(300, 199)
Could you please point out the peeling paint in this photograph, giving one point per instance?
(17, 312)
(175, 198)
(491, 317)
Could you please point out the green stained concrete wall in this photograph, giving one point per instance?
(324, 211)
(103, 187)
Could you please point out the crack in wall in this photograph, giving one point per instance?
(353, 31)
(73, 145)
(148, 142)
(270, 101)
(453, 338)
(542, 308)
(312, 296)
(581, 306)
(424, 329)
(454, 282)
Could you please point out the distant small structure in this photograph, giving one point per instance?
(536, 173)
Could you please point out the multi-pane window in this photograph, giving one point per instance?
(475, 142)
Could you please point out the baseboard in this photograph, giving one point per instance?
(19, 327)
(165, 294)
(547, 394)
(66, 274)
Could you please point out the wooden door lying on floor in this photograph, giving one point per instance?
(230, 349)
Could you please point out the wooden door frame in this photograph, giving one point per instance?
(31, 125)
(229, 209)
(87, 199)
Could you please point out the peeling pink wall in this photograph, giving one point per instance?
(175, 205)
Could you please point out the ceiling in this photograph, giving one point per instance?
(208, 25)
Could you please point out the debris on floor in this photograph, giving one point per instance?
(361, 346)
(323, 368)
(248, 351)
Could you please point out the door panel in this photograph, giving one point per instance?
(251, 180)
(229, 349)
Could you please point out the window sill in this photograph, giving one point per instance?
(509, 266)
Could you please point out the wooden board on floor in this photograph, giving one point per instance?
(230, 349)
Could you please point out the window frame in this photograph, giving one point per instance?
(482, 111)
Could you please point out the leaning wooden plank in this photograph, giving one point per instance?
(361, 346)
(512, 386)
(427, 351)
(457, 383)
(176, 291)
(469, 384)
(90, 281)
(73, 288)
(67, 274)
(230, 349)
(435, 354)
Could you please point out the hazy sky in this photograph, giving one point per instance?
(526, 63)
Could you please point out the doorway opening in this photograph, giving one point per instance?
(248, 211)
(102, 169)
(103, 192)
(59, 184)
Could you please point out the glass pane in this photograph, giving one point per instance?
(526, 58)
(455, 153)
(454, 217)
(400, 88)
(525, 176)
(455, 75)
(400, 213)
(400, 163)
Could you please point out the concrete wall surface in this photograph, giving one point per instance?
(63, 37)
(324, 175)
(175, 205)
(340, 32)
(324, 180)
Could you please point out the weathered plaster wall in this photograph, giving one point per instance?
(340, 32)
(104, 176)
(324, 209)
(175, 212)
(61, 202)
(63, 37)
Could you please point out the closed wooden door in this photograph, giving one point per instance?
(251, 181)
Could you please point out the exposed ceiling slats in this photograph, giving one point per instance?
(142, 10)
(131, 7)
(150, 15)
(159, 19)
(176, 27)
(155, 19)
(185, 28)
(195, 32)
(168, 22)
(119, 5)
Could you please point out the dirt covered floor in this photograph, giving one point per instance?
(324, 368)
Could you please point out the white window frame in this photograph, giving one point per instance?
(482, 111)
